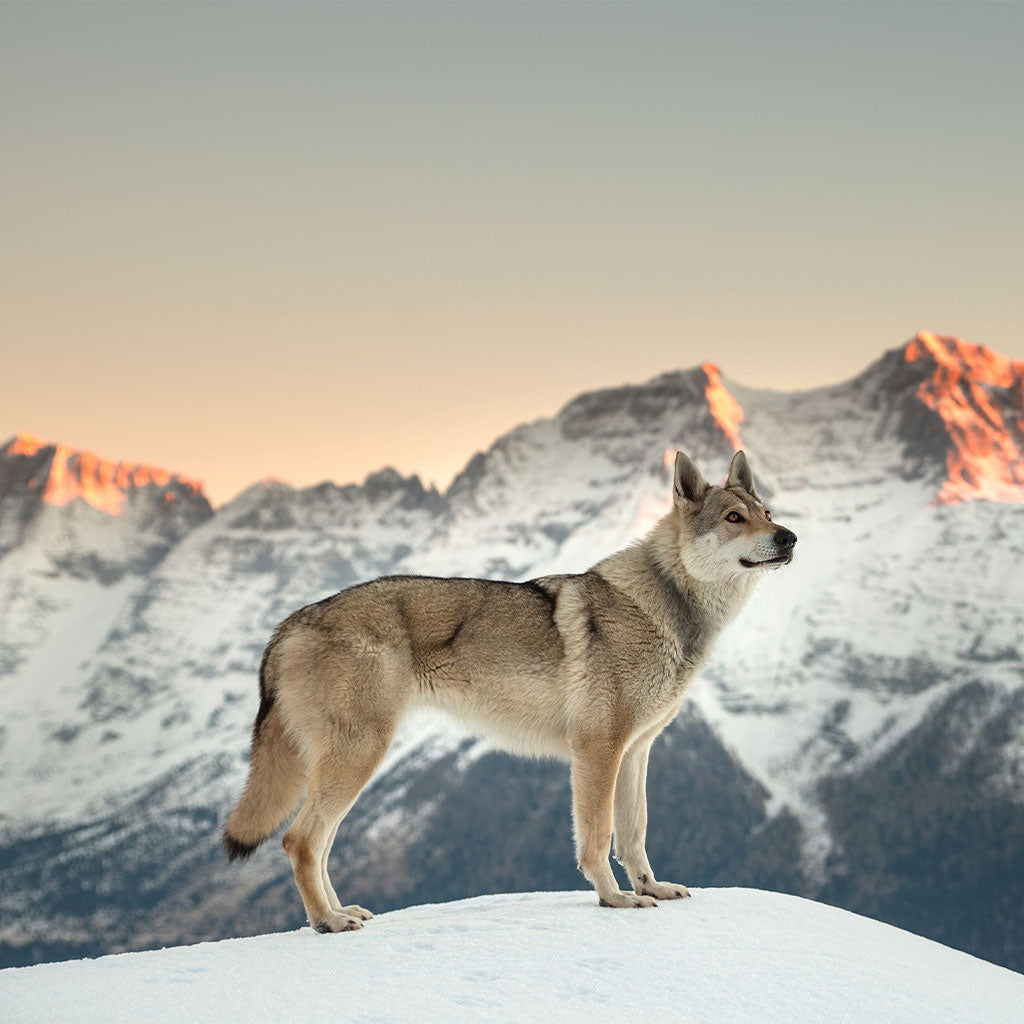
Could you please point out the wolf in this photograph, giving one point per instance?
(589, 667)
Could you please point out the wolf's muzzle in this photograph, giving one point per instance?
(784, 539)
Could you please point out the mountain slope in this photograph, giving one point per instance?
(725, 956)
(858, 733)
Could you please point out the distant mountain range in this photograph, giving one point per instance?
(858, 736)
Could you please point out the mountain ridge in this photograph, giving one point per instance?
(900, 617)
(954, 364)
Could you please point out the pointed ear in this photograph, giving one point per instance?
(739, 473)
(688, 484)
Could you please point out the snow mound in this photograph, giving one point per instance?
(725, 955)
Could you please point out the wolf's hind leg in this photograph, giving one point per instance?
(631, 824)
(594, 769)
(334, 783)
(332, 896)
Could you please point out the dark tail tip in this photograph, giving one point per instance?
(237, 850)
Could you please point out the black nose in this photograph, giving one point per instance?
(784, 538)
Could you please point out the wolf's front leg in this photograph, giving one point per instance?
(594, 768)
(631, 825)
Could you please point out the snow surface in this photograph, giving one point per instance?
(725, 955)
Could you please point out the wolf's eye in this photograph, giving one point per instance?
(735, 517)
(768, 515)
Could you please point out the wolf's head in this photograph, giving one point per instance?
(726, 532)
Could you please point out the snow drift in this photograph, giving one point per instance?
(725, 955)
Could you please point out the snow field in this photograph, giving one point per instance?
(724, 956)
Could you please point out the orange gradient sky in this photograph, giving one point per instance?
(310, 240)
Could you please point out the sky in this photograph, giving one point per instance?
(309, 240)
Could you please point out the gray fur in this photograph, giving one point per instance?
(688, 482)
(739, 474)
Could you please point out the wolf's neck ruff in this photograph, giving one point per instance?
(686, 611)
(589, 666)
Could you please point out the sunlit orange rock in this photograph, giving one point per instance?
(25, 444)
(724, 408)
(984, 459)
(101, 483)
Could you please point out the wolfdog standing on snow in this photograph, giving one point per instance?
(589, 667)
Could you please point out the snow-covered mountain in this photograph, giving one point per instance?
(725, 956)
(858, 735)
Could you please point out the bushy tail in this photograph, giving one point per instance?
(275, 785)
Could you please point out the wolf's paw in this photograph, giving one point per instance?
(626, 899)
(355, 911)
(661, 890)
(339, 921)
